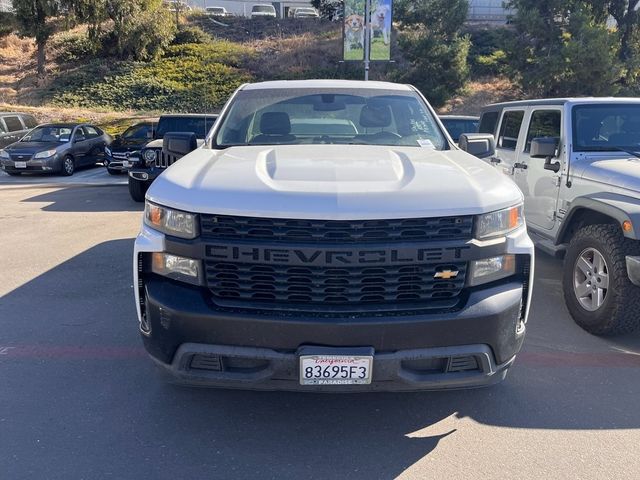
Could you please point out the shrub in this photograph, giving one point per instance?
(487, 55)
(179, 82)
(8, 23)
(190, 35)
(73, 46)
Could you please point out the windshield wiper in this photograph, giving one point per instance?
(630, 152)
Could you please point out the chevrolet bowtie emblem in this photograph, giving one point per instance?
(447, 274)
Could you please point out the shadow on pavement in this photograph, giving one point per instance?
(87, 199)
(75, 379)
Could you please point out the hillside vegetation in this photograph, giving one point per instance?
(196, 73)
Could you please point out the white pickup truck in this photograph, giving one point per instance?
(576, 161)
(329, 236)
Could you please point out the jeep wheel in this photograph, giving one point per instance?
(597, 289)
(137, 189)
(68, 166)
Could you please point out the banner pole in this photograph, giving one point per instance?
(367, 38)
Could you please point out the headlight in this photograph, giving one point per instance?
(171, 222)
(491, 269)
(45, 154)
(4, 154)
(496, 224)
(149, 156)
(177, 268)
(107, 150)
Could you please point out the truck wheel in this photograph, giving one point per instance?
(137, 189)
(597, 289)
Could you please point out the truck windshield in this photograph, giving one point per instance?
(329, 116)
(606, 127)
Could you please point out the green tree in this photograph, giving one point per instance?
(430, 36)
(627, 18)
(34, 18)
(564, 47)
(329, 9)
(140, 29)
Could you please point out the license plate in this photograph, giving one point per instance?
(126, 163)
(21, 165)
(335, 370)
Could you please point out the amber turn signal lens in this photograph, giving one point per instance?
(514, 217)
(627, 226)
(155, 215)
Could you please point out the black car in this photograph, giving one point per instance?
(152, 160)
(55, 147)
(456, 125)
(135, 137)
(13, 126)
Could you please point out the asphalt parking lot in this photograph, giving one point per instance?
(96, 175)
(79, 398)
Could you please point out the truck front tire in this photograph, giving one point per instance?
(599, 295)
(137, 189)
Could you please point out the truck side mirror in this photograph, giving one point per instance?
(544, 147)
(547, 148)
(178, 144)
(481, 145)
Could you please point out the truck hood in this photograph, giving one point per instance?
(620, 172)
(342, 182)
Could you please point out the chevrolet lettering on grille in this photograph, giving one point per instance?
(331, 257)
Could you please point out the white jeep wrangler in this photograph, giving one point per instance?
(576, 161)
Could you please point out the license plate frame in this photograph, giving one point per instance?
(335, 366)
(20, 164)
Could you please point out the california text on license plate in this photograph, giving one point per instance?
(335, 370)
(21, 164)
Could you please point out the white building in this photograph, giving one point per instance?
(488, 11)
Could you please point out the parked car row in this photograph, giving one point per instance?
(575, 161)
(264, 10)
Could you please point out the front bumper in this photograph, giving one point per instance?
(51, 164)
(277, 370)
(633, 269)
(182, 324)
(116, 163)
(145, 174)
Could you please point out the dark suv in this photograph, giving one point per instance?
(151, 160)
(13, 126)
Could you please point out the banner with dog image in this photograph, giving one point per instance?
(381, 13)
(354, 30)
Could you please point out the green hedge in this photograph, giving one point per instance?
(189, 78)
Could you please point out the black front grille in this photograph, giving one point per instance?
(164, 159)
(20, 157)
(328, 288)
(218, 227)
